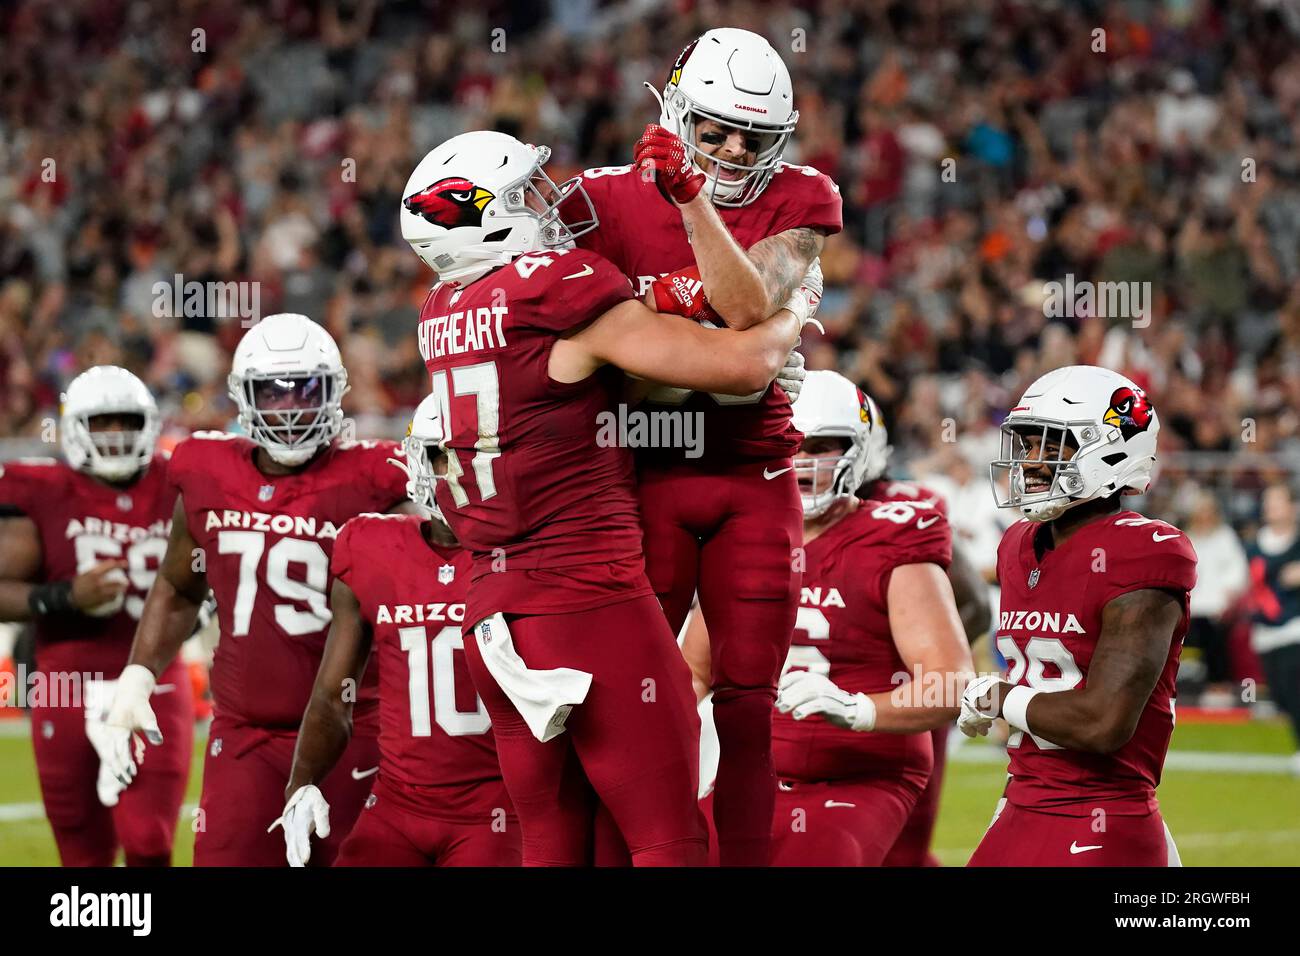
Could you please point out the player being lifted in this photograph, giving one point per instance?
(256, 519)
(724, 525)
(876, 604)
(519, 337)
(1094, 611)
(400, 583)
(79, 548)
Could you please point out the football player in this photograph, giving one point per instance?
(1094, 611)
(523, 339)
(724, 524)
(256, 520)
(400, 583)
(879, 655)
(79, 548)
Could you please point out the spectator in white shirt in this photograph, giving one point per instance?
(1224, 579)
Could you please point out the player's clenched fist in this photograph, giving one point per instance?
(101, 590)
(682, 293)
(676, 174)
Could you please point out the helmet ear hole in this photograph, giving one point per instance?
(1114, 459)
(499, 236)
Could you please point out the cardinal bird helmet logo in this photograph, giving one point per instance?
(1130, 411)
(675, 76)
(450, 202)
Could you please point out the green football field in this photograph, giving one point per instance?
(1226, 797)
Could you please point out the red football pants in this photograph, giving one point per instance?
(850, 822)
(632, 745)
(144, 821)
(244, 775)
(731, 532)
(1020, 837)
(913, 845)
(394, 830)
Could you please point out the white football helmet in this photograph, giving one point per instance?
(288, 382)
(424, 445)
(732, 77)
(1105, 418)
(831, 405)
(111, 455)
(465, 208)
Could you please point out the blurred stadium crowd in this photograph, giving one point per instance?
(269, 145)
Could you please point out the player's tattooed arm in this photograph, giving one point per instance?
(327, 723)
(745, 288)
(782, 260)
(1136, 631)
(173, 603)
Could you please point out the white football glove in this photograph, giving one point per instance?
(305, 813)
(806, 693)
(792, 374)
(973, 720)
(96, 696)
(129, 715)
(803, 302)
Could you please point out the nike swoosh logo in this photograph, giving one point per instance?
(362, 774)
(769, 475)
(923, 523)
(1157, 536)
(836, 803)
(587, 270)
(1076, 849)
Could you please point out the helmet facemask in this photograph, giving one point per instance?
(1039, 444)
(114, 454)
(291, 415)
(772, 140)
(556, 231)
(422, 457)
(823, 480)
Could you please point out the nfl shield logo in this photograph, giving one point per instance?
(446, 574)
(215, 749)
(1033, 579)
(265, 492)
(124, 503)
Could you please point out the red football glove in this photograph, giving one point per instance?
(682, 293)
(676, 175)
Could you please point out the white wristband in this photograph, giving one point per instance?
(798, 304)
(865, 717)
(1015, 709)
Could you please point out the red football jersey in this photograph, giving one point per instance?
(1048, 627)
(83, 521)
(433, 729)
(266, 543)
(842, 631)
(547, 510)
(642, 234)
